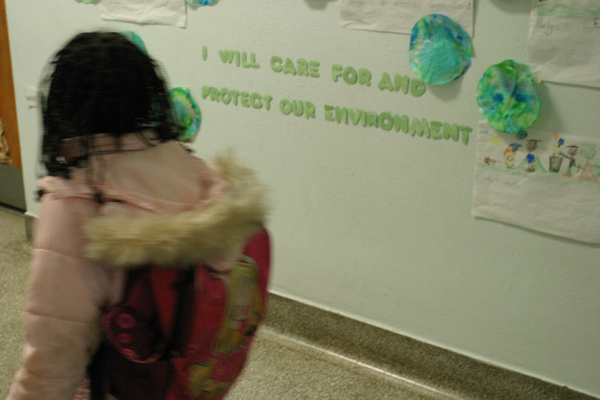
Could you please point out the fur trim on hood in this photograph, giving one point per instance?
(165, 239)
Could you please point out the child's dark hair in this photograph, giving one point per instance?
(100, 82)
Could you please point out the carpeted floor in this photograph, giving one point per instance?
(14, 266)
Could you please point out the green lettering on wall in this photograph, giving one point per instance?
(256, 101)
(435, 127)
(364, 77)
(336, 71)
(465, 130)
(289, 67)
(285, 106)
(214, 94)
(385, 82)
(235, 94)
(309, 110)
(401, 82)
(244, 99)
(450, 131)
(276, 64)
(401, 123)
(372, 119)
(313, 68)
(245, 62)
(267, 99)
(225, 95)
(341, 115)
(417, 87)
(297, 107)
(354, 116)
(205, 91)
(386, 122)
(419, 127)
(302, 67)
(226, 56)
(350, 75)
(253, 62)
(329, 113)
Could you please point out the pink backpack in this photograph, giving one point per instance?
(183, 334)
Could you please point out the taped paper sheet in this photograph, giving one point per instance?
(401, 15)
(161, 12)
(564, 41)
(541, 181)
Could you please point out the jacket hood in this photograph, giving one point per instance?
(216, 232)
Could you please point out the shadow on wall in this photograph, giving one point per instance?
(548, 92)
(318, 4)
(448, 91)
(549, 117)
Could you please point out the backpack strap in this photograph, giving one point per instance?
(176, 338)
(183, 307)
(97, 373)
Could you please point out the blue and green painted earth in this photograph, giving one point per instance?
(440, 49)
(200, 2)
(507, 97)
(186, 111)
(135, 38)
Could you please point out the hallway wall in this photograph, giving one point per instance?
(369, 223)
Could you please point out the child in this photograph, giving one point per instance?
(120, 192)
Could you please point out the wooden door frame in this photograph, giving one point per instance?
(8, 109)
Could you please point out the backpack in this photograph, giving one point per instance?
(183, 333)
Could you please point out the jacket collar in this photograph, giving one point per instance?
(217, 232)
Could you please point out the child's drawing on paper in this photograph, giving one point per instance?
(510, 154)
(556, 159)
(569, 158)
(571, 153)
(590, 171)
(568, 8)
(533, 163)
(564, 41)
(539, 180)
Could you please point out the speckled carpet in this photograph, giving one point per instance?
(14, 266)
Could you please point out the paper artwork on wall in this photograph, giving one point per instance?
(200, 2)
(161, 12)
(564, 41)
(546, 182)
(507, 97)
(401, 16)
(135, 39)
(440, 49)
(186, 111)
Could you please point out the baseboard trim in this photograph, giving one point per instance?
(29, 221)
(442, 370)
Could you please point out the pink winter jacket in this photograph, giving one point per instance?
(163, 206)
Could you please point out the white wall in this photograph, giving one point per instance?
(375, 225)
